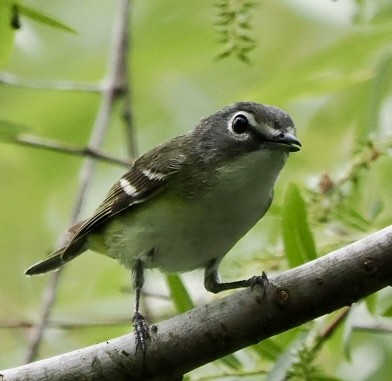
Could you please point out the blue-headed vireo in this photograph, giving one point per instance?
(185, 203)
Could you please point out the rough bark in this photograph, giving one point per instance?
(211, 331)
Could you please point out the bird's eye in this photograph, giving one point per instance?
(240, 124)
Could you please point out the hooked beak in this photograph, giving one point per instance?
(289, 140)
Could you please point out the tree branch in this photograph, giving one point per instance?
(52, 145)
(122, 50)
(113, 88)
(208, 332)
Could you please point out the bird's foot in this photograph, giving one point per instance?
(262, 280)
(141, 330)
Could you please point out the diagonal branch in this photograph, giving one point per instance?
(52, 145)
(206, 333)
(114, 87)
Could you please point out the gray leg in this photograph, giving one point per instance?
(212, 282)
(139, 323)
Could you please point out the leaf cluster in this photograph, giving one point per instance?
(335, 197)
(233, 25)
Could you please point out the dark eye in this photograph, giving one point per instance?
(240, 124)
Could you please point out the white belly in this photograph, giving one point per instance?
(184, 234)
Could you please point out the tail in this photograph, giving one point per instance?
(57, 259)
(53, 262)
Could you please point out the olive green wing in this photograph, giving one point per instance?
(149, 175)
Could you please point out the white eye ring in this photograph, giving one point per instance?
(240, 124)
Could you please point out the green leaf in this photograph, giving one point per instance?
(347, 335)
(268, 349)
(15, 20)
(245, 38)
(243, 57)
(222, 55)
(297, 237)
(388, 311)
(9, 131)
(287, 358)
(325, 378)
(44, 19)
(231, 361)
(352, 217)
(371, 303)
(179, 293)
(7, 33)
(381, 86)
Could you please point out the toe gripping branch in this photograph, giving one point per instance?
(213, 284)
(141, 330)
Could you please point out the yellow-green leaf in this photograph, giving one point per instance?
(45, 19)
(179, 293)
(7, 33)
(297, 237)
(9, 131)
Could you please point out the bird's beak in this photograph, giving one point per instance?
(289, 140)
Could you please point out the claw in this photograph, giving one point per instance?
(262, 280)
(141, 328)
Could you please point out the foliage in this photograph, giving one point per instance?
(178, 293)
(298, 241)
(18, 11)
(11, 15)
(233, 25)
(9, 131)
(328, 64)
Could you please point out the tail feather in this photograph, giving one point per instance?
(57, 259)
(51, 263)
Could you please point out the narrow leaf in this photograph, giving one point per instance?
(388, 312)
(243, 57)
(222, 55)
(7, 33)
(347, 336)
(352, 217)
(371, 303)
(15, 20)
(268, 349)
(179, 293)
(297, 237)
(287, 358)
(44, 19)
(9, 131)
(231, 361)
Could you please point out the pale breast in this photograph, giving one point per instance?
(176, 234)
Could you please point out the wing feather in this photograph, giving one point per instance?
(148, 176)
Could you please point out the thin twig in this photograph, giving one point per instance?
(15, 81)
(52, 145)
(123, 80)
(129, 128)
(111, 91)
(64, 325)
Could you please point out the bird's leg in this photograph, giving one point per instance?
(139, 323)
(212, 282)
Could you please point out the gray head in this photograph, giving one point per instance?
(246, 127)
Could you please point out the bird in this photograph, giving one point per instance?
(185, 203)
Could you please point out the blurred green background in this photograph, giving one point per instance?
(327, 63)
